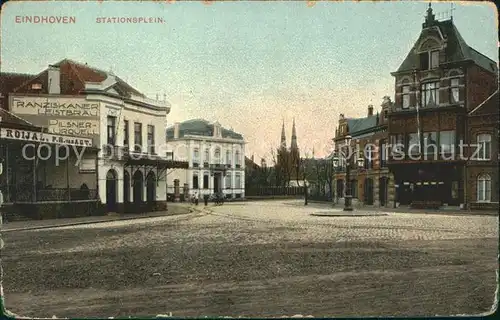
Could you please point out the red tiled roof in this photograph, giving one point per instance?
(10, 80)
(74, 75)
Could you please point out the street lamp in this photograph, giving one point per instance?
(336, 163)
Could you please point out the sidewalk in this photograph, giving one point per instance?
(173, 209)
(340, 205)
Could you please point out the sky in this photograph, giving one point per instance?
(248, 65)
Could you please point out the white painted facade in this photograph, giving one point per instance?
(207, 155)
(139, 110)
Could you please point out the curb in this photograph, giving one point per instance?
(94, 222)
(343, 215)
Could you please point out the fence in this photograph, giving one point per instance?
(25, 194)
(274, 191)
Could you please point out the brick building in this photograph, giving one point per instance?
(482, 187)
(372, 184)
(438, 89)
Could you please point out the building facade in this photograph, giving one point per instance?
(372, 184)
(439, 83)
(128, 172)
(216, 158)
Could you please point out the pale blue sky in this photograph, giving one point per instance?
(248, 64)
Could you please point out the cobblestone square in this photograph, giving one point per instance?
(255, 259)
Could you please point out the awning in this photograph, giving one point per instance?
(154, 161)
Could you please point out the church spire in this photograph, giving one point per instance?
(283, 137)
(294, 136)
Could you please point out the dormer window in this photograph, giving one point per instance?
(429, 60)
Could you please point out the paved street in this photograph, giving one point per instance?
(255, 259)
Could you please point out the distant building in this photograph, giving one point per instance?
(373, 184)
(438, 86)
(216, 158)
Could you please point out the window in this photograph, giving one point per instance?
(228, 181)
(125, 133)
(111, 130)
(151, 138)
(430, 94)
(406, 97)
(429, 60)
(454, 90)
(383, 153)
(228, 157)
(196, 155)
(217, 156)
(430, 143)
(237, 183)
(447, 141)
(205, 180)
(368, 163)
(484, 188)
(434, 59)
(484, 145)
(424, 61)
(195, 181)
(138, 136)
(237, 159)
(413, 144)
(207, 156)
(397, 144)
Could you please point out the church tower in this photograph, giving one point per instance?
(294, 148)
(283, 137)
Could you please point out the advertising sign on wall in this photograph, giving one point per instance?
(60, 115)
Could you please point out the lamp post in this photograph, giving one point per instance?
(347, 158)
(305, 183)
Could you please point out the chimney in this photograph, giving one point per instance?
(370, 110)
(252, 158)
(176, 130)
(54, 80)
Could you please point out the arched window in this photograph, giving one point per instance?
(195, 181)
(217, 155)
(205, 180)
(237, 158)
(207, 156)
(228, 157)
(484, 145)
(228, 181)
(484, 188)
(196, 155)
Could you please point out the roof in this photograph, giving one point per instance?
(74, 75)
(11, 120)
(456, 49)
(200, 127)
(361, 124)
(11, 80)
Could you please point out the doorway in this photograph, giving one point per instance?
(368, 191)
(138, 189)
(111, 188)
(151, 188)
(383, 190)
(217, 183)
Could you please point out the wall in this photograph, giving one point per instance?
(480, 85)
(184, 151)
(66, 115)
